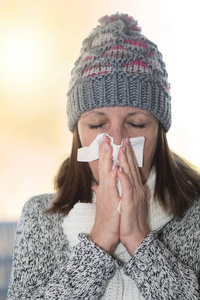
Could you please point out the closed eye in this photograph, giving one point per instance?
(137, 125)
(96, 126)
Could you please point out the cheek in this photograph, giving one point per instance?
(149, 150)
(85, 139)
(86, 136)
(150, 147)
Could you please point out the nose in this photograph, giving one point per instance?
(117, 133)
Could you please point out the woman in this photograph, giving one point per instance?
(76, 244)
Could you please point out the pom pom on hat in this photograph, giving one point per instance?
(118, 66)
(127, 20)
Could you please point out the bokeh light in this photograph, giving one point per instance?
(39, 42)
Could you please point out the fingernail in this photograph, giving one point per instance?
(106, 146)
(121, 170)
(124, 149)
(104, 137)
(127, 141)
(113, 166)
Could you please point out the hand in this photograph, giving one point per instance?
(134, 206)
(105, 232)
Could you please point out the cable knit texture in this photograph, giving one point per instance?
(51, 264)
(118, 66)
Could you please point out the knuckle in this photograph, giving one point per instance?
(129, 189)
(111, 176)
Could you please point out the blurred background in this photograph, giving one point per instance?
(39, 42)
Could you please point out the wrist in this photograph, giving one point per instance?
(131, 243)
(105, 243)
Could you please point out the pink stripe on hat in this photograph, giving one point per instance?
(136, 43)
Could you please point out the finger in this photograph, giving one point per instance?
(128, 186)
(108, 189)
(132, 161)
(126, 164)
(112, 184)
(105, 157)
(132, 196)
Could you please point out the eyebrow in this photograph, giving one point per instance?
(90, 113)
(140, 113)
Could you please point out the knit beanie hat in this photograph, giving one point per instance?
(118, 66)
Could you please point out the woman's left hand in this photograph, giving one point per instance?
(134, 207)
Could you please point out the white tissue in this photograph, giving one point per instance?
(88, 154)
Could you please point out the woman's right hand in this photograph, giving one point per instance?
(105, 231)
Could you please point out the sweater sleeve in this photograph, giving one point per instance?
(159, 275)
(39, 272)
(83, 276)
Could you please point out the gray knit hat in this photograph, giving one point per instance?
(118, 66)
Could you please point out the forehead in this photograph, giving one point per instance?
(110, 111)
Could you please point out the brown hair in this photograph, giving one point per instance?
(177, 183)
(73, 181)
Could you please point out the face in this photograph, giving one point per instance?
(120, 122)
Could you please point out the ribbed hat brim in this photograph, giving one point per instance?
(119, 89)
